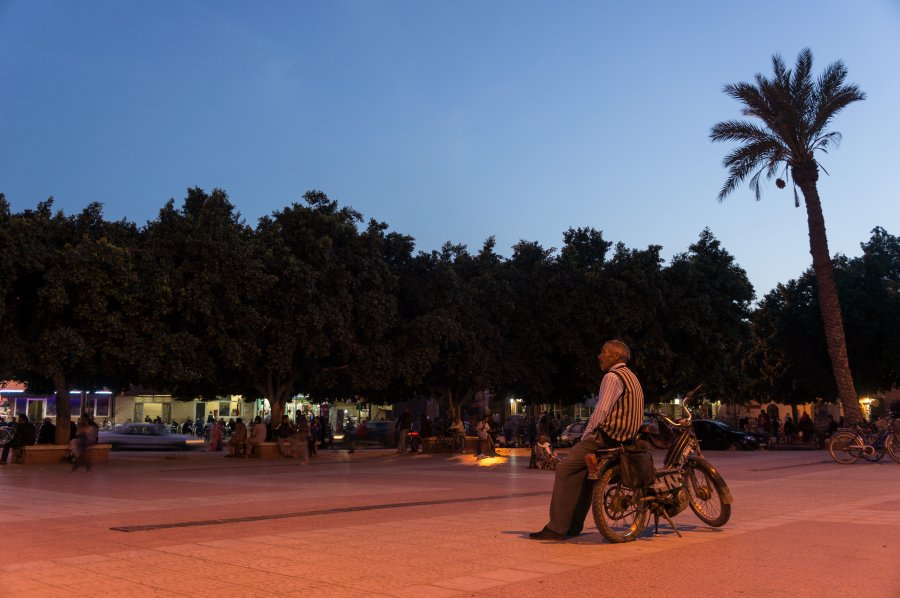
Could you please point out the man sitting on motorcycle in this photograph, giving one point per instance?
(616, 419)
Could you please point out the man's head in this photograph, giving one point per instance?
(613, 352)
(23, 419)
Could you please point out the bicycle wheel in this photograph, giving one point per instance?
(845, 448)
(874, 457)
(892, 444)
(705, 488)
(619, 511)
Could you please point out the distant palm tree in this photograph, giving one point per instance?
(795, 112)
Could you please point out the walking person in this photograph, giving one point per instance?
(215, 435)
(350, 435)
(302, 437)
(85, 438)
(616, 419)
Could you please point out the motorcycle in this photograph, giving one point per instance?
(622, 502)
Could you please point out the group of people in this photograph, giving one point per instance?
(300, 438)
(82, 434)
(788, 431)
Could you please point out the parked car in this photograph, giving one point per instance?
(572, 434)
(143, 436)
(380, 432)
(716, 435)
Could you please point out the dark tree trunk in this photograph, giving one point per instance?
(806, 175)
(63, 409)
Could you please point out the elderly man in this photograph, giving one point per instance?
(616, 419)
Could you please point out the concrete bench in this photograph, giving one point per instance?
(266, 450)
(36, 454)
(433, 444)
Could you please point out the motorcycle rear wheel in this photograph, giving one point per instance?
(845, 447)
(705, 488)
(619, 511)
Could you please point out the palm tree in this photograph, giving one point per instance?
(795, 112)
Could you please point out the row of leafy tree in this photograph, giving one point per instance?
(314, 300)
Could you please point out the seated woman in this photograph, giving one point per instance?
(542, 454)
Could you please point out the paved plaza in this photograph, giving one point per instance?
(375, 524)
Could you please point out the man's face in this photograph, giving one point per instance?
(608, 357)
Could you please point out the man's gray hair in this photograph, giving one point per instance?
(621, 348)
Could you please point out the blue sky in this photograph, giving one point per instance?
(449, 121)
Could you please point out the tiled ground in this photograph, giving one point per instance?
(815, 528)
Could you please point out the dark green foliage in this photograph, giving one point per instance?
(69, 300)
(790, 355)
(199, 304)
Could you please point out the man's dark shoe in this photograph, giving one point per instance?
(547, 534)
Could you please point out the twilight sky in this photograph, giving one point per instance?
(450, 121)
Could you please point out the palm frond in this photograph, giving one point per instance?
(737, 130)
(763, 156)
(822, 142)
(755, 103)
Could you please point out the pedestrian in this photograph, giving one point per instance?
(312, 435)
(776, 427)
(85, 439)
(302, 436)
(404, 422)
(350, 435)
(806, 427)
(215, 435)
(788, 429)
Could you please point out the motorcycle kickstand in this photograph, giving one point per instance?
(656, 514)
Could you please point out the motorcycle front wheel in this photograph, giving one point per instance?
(619, 512)
(845, 447)
(705, 488)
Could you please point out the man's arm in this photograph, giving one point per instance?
(610, 390)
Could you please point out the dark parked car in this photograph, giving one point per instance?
(380, 432)
(715, 435)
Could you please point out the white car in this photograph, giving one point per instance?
(572, 434)
(143, 436)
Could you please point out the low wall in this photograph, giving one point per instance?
(54, 453)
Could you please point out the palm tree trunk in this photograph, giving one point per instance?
(806, 175)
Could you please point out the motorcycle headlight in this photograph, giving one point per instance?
(748, 437)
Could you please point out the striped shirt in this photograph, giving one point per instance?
(620, 405)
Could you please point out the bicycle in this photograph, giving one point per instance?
(452, 442)
(849, 444)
